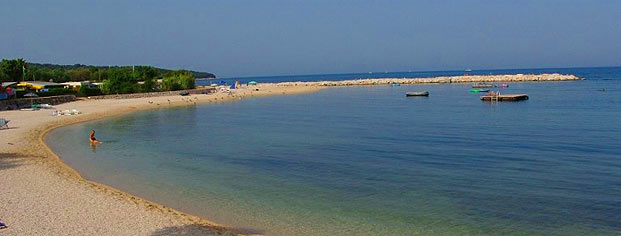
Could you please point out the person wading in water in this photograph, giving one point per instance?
(92, 138)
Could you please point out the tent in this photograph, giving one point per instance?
(252, 82)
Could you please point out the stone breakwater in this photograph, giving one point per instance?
(14, 104)
(443, 79)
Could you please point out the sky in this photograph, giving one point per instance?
(268, 37)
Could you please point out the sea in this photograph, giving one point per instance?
(367, 160)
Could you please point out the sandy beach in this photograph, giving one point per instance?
(43, 196)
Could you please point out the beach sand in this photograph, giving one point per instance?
(42, 196)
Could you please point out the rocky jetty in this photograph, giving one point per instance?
(14, 104)
(442, 79)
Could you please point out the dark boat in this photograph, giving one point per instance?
(417, 94)
(505, 97)
(184, 93)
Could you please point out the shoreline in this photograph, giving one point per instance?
(25, 147)
(32, 151)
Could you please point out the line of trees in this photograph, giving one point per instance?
(126, 79)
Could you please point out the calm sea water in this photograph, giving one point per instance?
(369, 161)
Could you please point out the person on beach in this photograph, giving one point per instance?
(92, 138)
(2, 225)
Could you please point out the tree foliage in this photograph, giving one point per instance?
(12, 70)
(177, 80)
(115, 80)
(120, 80)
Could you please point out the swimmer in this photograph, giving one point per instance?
(92, 138)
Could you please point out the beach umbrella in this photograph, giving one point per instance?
(252, 82)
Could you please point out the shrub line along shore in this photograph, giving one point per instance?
(42, 195)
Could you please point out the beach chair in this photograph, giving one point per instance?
(4, 123)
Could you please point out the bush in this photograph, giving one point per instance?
(86, 91)
(120, 80)
(148, 86)
(178, 80)
(57, 92)
(128, 87)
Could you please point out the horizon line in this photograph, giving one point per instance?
(417, 71)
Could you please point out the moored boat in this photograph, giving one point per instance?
(482, 85)
(504, 98)
(417, 94)
(478, 90)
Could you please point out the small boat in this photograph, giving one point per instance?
(468, 70)
(478, 90)
(504, 98)
(417, 94)
(184, 93)
(482, 85)
(395, 85)
(502, 86)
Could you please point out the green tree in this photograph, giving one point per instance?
(80, 74)
(149, 85)
(177, 80)
(60, 75)
(40, 74)
(120, 80)
(98, 75)
(13, 69)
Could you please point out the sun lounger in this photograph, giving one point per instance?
(4, 123)
(46, 106)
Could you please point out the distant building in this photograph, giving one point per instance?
(77, 85)
(38, 85)
(9, 85)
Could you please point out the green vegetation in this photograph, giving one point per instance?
(12, 69)
(86, 91)
(56, 92)
(114, 79)
(78, 72)
(178, 80)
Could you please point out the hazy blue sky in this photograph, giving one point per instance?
(242, 38)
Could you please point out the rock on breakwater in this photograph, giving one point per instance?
(442, 79)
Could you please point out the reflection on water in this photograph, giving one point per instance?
(93, 147)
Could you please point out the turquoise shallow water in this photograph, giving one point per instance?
(369, 161)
